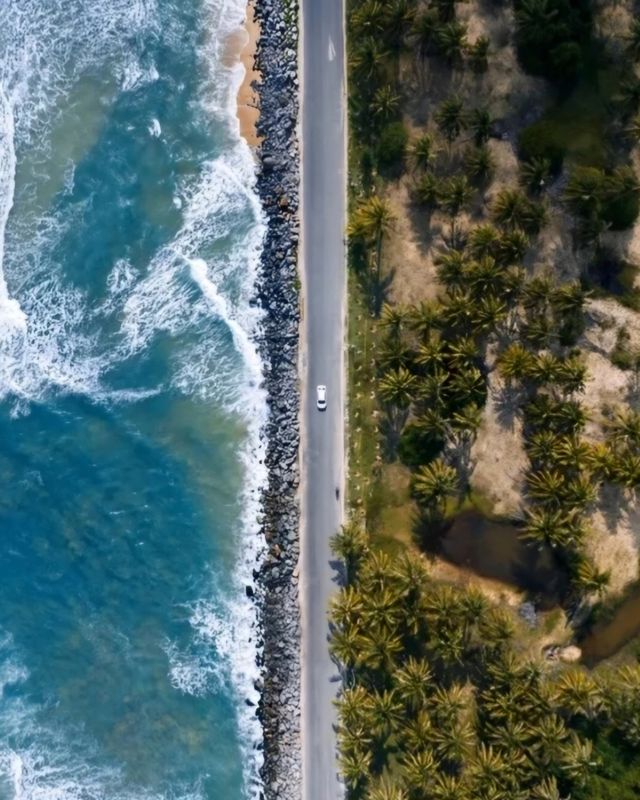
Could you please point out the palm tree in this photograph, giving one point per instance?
(633, 40)
(417, 733)
(399, 17)
(458, 310)
(411, 578)
(478, 54)
(467, 386)
(625, 428)
(380, 650)
(626, 470)
(434, 483)
(580, 493)
(571, 452)
(412, 682)
(351, 545)
(547, 789)
(369, 61)
(346, 607)
(450, 118)
(449, 703)
(542, 446)
(512, 246)
(372, 220)
(430, 354)
(551, 735)
(424, 152)
(516, 362)
(588, 579)
(425, 317)
(456, 195)
(601, 461)
(491, 311)
(546, 526)
(546, 369)
(424, 33)
(480, 124)
(538, 292)
(534, 20)
(418, 770)
(633, 129)
(583, 193)
(385, 102)
(355, 767)
(449, 787)
(483, 240)
(393, 318)
(368, 18)
(385, 789)
(451, 40)
(433, 423)
(628, 96)
(578, 759)
(353, 704)
(462, 350)
(479, 163)
(579, 694)
(427, 190)
(453, 742)
(393, 354)
(548, 486)
(376, 571)
(467, 421)
(451, 264)
(496, 628)
(432, 390)
(347, 645)
(513, 209)
(386, 713)
(570, 298)
(488, 767)
(535, 174)
(397, 388)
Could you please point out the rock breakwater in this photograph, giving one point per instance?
(278, 294)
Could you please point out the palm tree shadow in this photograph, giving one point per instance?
(379, 292)
(429, 529)
(507, 402)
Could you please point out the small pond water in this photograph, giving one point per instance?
(607, 637)
(494, 550)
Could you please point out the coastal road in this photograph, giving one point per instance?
(323, 272)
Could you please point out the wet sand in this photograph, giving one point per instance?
(241, 47)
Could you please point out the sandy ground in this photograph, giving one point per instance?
(499, 461)
(241, 46)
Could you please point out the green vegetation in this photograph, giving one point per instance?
(438, 702)
(441, 698)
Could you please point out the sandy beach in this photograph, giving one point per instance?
(241, 46)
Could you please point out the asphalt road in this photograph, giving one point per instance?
(324, 292)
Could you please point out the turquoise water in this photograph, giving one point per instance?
(129, 404)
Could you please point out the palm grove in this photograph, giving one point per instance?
(439, 700)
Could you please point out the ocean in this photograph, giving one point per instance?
(130, 404)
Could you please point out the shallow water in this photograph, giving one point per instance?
(493, 549)
(129, 403)
(607, 637)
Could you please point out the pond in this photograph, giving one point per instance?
(493, 549)
(608, 636)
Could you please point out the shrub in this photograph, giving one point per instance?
(551, 36)
(392, 145)
(418, 446)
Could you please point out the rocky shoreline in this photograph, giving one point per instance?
(278, 294)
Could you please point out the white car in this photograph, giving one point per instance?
(321, 397)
